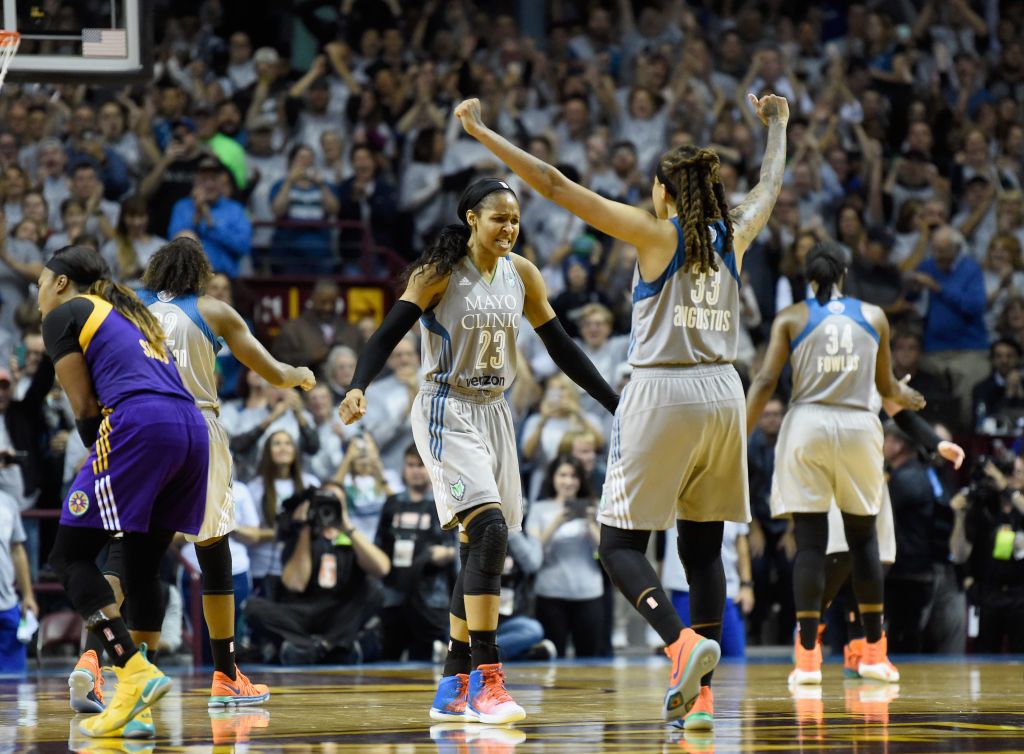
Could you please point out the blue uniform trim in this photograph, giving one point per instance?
(646, 289)
(189, 305)
(437, 404)
(817, 314)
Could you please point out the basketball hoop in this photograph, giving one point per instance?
(9, 41)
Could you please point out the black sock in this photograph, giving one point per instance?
(660, 614)
(872, 623)
(113, 633)
(709, 631)
(224, 656)
(458, 660)
(809, 631)
(484, 648)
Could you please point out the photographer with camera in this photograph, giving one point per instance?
(988, 535)
(329, 591)
(569, 585)
(417, 590)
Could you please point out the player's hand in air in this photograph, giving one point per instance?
(771, 107)
(353, 407)
(306, 379)
(952, 453)
(468, 112)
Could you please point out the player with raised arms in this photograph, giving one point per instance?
(678, 454)
(469, 293)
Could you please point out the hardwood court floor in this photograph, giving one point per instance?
(958, 705)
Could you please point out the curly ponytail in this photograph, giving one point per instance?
(691, 177)
(128, 305)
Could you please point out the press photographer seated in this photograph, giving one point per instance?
(328, 588)
(988, 535)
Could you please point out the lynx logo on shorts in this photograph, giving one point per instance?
(458, 488)
(78, 503)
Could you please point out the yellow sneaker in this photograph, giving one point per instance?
(140, 684)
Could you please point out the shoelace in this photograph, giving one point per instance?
(494, 683)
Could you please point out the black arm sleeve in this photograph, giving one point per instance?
(89, 429)
(917, 429)
(569, 357)
(63, 325)
(402, 316)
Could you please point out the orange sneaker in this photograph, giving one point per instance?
(874, 662)
(488, 700)
(692, 658)
(851, 658)
(236, 726)
(702, 715)
(86, 684)
(808, 665)
(237, 693)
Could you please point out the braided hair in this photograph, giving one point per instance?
(826, 266)
(690, 177)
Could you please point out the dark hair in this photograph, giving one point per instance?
(266, 473)
(82, 165)
(826, 266)
(693, 182)
(423, 147)
(412, 451)
(1004, 341)
(127, 257)
(451, 244)
(71, 202)
(85, 264)
(179, 266)
(547, 487)
(296, 149)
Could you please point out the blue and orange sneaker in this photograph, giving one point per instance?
(851, 658)
(140, 685)
(86, 684)
(692, 658)
(702, 714)
(489, 701)
(240, 692)
(450, 700)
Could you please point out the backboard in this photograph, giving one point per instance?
(108, 41)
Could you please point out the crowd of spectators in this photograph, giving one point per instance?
(307, 147)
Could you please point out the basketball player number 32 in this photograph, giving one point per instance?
(486, 339)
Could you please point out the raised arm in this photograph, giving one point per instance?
(621, 221)
(751, 215)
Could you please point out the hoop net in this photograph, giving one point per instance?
(9, 41)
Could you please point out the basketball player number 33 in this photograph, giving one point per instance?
(497, 361)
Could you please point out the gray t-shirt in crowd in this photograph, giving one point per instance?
(569, 570)
(11, 533)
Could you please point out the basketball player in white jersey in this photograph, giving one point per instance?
(469, 294)
(830, 447)
(677, 449)
(195, 326)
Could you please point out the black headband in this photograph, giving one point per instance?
(60, 267)
(477, 192)
(664, 181)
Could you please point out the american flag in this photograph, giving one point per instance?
(104, 43)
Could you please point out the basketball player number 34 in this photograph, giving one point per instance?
(497, 361)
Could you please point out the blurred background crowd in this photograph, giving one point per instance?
(313, 141)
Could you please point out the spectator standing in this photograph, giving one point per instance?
(366, 482)
(387, 418)
(132, 246)
(173, 176)
(368, 198)
(417, 589)
(569, 585)
(220, 223)
(303, 196)
(101, 214)
(14, 575)
(422, 186)
(1004, 275)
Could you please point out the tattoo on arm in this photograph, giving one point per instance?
(751, 215)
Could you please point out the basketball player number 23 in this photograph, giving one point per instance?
(705, 290)
(486, 338)
(837, 341)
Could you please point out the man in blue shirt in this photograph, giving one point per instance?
(955, 339)
(220, 223)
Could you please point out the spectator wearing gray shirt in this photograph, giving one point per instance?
(569, 585)
(14, 578)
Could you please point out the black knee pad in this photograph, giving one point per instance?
(73, 559)
(113, 559)
(699, 543)
(860, 530)
(488, 545)
(215, 564)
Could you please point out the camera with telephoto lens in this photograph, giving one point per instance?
(324, 509)
(981, 488)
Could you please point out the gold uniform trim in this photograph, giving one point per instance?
(101, 310)
(102, 460)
